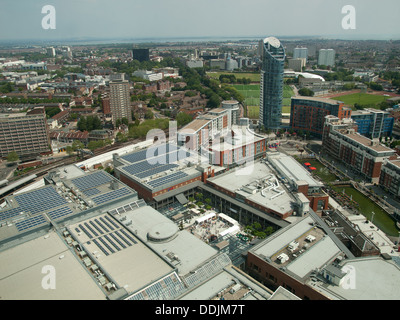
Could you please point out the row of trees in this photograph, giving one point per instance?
(231, 78)
(89, 123)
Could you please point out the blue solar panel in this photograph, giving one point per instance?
(112, 222)
(10, 213)
(101, 225)
(157, 151)
(34, 202)
(128, 236)
(135, 157)
(112, 195)
(60, 212)
(167, 179)
(100, 247)
(112, 242)
(30, 223)
(90, 229)
(106, 223)
(85, 231)
(96, 227)
(122, 238)
(91, 192)
(91, 181)
(106, 245)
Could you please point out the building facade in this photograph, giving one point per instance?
(373, 123)
(300, 53)
(271, 83)
(326, 57)
(141, 54)
(308, 113)
(25, 133)
(120, 100)
(390, 177)
(363, 155)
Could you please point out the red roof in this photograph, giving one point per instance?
(307, 164)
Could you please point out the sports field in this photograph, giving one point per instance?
(251, 93)
(364, 99)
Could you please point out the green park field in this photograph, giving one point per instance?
(251, 93)
(361, 98)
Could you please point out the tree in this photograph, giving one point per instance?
(149, 114)
(76, 145)
(183, 119)
(12, 157)
(214, 101)
(375, 86)
(69, 150)
(306, 92)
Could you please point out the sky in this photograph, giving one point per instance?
(135, 19)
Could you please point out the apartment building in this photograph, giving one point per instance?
(341, 140)
(25, 133)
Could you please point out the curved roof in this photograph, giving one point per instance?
(310, 75)
(273, 42)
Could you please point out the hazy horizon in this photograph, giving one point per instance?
(80, 20)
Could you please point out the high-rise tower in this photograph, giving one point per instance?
(271, 84)
(120, 100)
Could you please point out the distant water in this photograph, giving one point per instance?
(89, 41)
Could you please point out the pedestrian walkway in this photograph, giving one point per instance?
(384, 243)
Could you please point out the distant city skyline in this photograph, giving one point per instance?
(165, 19)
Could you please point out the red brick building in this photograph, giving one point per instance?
(308, 113)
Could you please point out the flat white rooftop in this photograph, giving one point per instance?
(245, 180)
(292, 169)
(24, 267)
(131, 267)
(374, 279)
(162, 235)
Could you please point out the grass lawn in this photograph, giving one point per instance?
(253, 112)
(361, 98)
(251, 93)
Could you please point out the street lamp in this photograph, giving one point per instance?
(372, 220)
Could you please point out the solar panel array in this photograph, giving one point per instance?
(167, 288)
(91, 192)
(31, 222)
(39, 200)
(91, 181)
(59, 212)
(153, 151)
(144, 169)
(135, 157)
(107, 235)
(112, 195)
(167, 179)
(10, 213)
